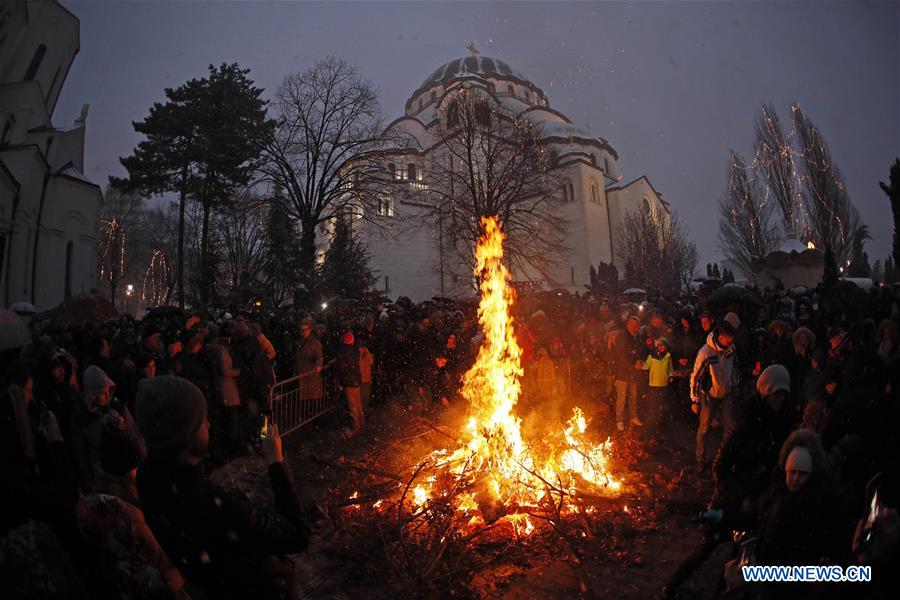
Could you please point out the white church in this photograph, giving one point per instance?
(408, 262)
(48, 208)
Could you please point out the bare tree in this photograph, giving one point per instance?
(746, 231)
(329, 127)
(490, 161)
(159, 265)
(658, 251)
(242, 227)
(120, 239)
(834, 220)
(775, 161)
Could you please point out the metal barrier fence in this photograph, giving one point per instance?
(301, 399)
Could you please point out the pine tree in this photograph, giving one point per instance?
(282, 264)
(892, 189)
(345, 270)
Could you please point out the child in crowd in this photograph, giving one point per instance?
(661, 373)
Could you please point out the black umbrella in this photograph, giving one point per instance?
(732, 293)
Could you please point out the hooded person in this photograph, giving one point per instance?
(98, 406)
(660, 370)
(225, 545)
(711, 381)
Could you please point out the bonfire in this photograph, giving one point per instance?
(493, 475)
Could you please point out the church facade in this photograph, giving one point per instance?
(409, 261)
(48, 208)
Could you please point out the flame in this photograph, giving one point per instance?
(499, 469)
(811, 245)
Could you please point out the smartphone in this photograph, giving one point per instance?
(264, 428)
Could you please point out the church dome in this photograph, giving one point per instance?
(473, 65)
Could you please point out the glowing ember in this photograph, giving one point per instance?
(499, 471)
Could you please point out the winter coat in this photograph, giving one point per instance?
(87, 429)
(308, 360)
(748, 455)
(217, 537)
(348, 374)
(366, 360)
(225, 375)
(38, 484)
(799, 528)
(713, 370)
(624, 351)
(123, 551)
(660, 368)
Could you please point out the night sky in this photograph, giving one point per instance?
(672, 86)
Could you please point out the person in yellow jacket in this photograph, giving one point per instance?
(661, 373)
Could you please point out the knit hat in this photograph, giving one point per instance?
(95, 381)
(663, 341)
(773, 379)
(734, 320)
(170, 411)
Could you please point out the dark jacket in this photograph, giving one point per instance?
(799, 528)
(218, 538)
(624, 353)
(749, 452)
(348, 366)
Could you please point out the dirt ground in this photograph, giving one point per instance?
(628, 550)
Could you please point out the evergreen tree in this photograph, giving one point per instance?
(892, 189)
(204, 143)
(282, 262)
(345, 270)
(715, 271)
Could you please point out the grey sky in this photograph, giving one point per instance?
(672, 86)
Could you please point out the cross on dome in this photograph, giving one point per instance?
(473, 50)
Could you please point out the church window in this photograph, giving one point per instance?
(385, 207)
(411, 171)
(648, 208)
(433, 96)
(35, 62)
(387, 284)
(568, 191)
(528, 96)
(392, 169)
(70, 247)
(510, 90)
(606, 166)
(595, 193)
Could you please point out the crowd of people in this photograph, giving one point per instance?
(107, 428)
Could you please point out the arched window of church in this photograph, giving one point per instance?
(568, 192)
(433, 96)
(35, 62)
(510, 90)
(70, 248)
(648, 208)
(595, 193)
(606, 166)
